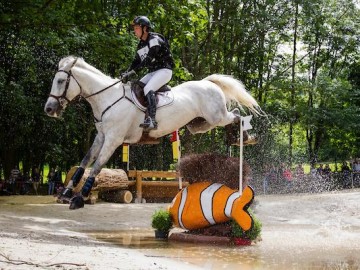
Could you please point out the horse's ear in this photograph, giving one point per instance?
(63, 62)
(66, 61)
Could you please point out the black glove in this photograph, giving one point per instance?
(125, 76)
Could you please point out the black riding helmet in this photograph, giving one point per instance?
(142, 21)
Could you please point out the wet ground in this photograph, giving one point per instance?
(314, 231)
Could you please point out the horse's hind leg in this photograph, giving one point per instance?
(222, 119)
(89, 158)
(199, 127)
(230, 117)
(106, 151)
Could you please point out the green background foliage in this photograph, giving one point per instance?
(299, 59)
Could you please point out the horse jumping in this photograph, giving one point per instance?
(198, 105)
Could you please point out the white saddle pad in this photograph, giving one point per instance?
(165, 99)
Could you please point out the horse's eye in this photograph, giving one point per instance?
(61, 81)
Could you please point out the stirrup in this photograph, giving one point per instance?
(149, 124)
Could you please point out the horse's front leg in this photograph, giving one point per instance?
(89, 158)
(106, 151)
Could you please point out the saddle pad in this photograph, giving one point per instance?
(163, 99)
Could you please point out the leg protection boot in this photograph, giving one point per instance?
(67, 192)
(77, 176)
(85, 192)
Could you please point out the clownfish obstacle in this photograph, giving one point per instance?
(205, 207)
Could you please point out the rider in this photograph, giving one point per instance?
(153, 52)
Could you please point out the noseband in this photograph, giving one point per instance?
(60, 99)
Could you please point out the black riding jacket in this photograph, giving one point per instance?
(153, 53)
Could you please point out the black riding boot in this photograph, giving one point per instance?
(150, 122)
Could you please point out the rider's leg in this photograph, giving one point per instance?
(154, 81)
(150, 122)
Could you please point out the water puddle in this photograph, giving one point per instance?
(257, 256)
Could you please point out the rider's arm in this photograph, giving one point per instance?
(135, 64)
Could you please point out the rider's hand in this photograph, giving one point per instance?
(124, 76)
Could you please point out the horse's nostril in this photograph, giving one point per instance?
(48, 109)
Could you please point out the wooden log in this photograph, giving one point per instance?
(107, 179)
(117, 196)
(156, 174)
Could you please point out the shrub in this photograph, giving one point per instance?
(161, 220)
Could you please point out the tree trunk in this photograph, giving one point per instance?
(292, 97)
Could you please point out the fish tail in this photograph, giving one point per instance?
(240, 209)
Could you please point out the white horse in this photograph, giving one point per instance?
(118, 119)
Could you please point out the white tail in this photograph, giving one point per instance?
(235, 90)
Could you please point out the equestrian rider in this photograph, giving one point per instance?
(153, 52)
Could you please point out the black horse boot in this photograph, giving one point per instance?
(150, 122)
(78, 200)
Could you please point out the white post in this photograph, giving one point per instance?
(179, 156)
(244, 125)
(241, 155)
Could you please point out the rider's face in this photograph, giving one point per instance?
(137, 31)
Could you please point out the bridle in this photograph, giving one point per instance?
(61, 98)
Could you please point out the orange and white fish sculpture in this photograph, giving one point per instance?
(203, 204)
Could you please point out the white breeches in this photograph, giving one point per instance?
(154, 80)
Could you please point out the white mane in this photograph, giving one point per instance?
(66, 63)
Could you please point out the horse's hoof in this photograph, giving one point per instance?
(67, 193)
(251, 140)
(236, 111)
(64, 196)
(63, 200)
(237, 118)
(77, 202)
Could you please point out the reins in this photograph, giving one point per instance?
(102, 90)
(109, 107)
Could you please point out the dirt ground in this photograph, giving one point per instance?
(37, 233)
(305, 231)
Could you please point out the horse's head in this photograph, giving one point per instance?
(64, 88)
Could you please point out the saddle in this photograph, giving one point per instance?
(164, 95)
